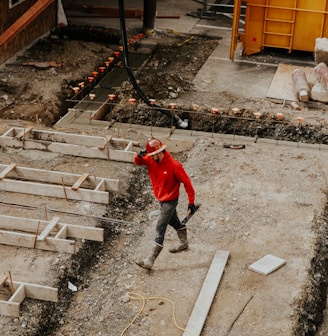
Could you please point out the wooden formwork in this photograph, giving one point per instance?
(45, 235)
(40, 182)
(108, 147)
(21, 290)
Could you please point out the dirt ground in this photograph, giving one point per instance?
(268, 198)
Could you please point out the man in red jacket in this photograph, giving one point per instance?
(166, 175)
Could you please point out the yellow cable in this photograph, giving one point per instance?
(136, 296)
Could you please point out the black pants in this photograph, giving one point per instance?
(168, 216)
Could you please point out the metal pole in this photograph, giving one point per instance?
(149, 15)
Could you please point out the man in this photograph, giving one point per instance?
(166, 175)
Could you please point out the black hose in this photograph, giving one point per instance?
(178, 121)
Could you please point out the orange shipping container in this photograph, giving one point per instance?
(287, 24)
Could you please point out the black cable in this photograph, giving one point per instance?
(177, 120)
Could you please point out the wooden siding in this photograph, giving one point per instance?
(39, 26)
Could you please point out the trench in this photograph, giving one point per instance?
(311, 307)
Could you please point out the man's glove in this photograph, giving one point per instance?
(142, 153)
(191, 209)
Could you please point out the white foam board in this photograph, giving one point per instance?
(267, 264)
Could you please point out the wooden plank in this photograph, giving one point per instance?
(44, 234)
(64, 230)
(88, 233)
(47, 176)
(9, 308)
(32, 13)
(23, 132)
(33, 188)
(72, 144)
(206, 295)
(27, 144)
(108, 139)
(28, 240)
(7, 170)
(19, 295)
(39, 292)
(26, 290)
(128, 147)
(3, 279)
(91, 152)
(62, 233)
(76, 139)
(79, 182)
(100, 186)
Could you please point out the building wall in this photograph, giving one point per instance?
(42, 24)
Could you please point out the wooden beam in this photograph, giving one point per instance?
(7, 170)
(19, 294)
(206, 295)
(79, 182)
(62, 233)
(25, 290)
(91, 152)
(128, 147)
(28, 240)
(3, 279)
(22, 133)
(33, 188)
(72, 144)
(55, 177)
(23, 21)
(9, 308)
(44, 234)
(108, 139)
(69, 138)
(39, 292)
(64, 229)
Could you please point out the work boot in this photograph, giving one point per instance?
(149, 262)
(183, 245)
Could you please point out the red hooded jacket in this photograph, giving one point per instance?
(166, 177)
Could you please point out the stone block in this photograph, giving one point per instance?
(321, 74)
(319, 93)
(321, 50)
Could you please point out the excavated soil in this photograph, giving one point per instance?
(269, 197)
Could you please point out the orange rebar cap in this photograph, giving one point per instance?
(154, 146)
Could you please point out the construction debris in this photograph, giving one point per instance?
(301, 85)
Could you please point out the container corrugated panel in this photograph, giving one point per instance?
(288, 24)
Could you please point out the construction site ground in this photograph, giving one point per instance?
(269, 197)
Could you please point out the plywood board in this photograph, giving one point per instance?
(267, 264)
(282, 85)
(206, 295)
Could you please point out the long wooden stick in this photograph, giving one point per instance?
(46, 212)
(36, 235)
(64, 187)
(237, 317)
(11, 283)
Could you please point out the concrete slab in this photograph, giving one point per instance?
(267, 264)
